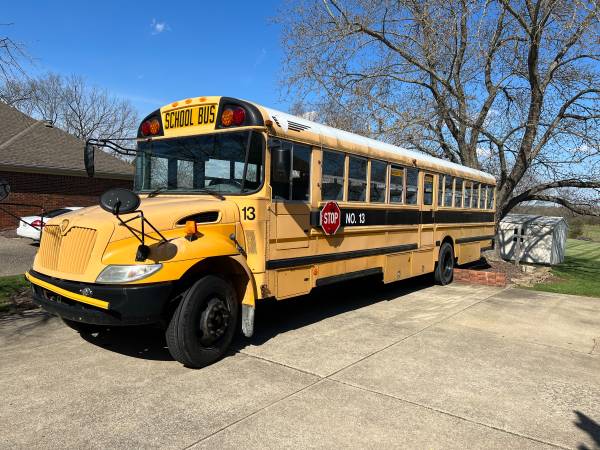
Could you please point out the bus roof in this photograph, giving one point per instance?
(298, 128)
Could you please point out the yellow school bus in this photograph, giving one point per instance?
(234, 203)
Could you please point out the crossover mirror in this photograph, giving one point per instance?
(119, 201)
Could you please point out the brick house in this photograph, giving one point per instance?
(44, 166)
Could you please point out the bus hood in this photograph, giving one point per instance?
(162, 212)
(73, 244)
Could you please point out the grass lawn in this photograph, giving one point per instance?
(10, 286)
(592, 232)
(580, 272)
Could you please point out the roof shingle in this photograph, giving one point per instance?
(33, 145)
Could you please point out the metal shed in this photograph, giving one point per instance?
(541, 239)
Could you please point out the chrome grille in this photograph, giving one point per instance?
(69, 253)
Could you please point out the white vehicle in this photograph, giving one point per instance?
(32, 231)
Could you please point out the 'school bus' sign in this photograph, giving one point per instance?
(331, 218)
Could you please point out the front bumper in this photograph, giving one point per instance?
(101, 304)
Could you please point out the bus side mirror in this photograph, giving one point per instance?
(88, 159)
(280, 164)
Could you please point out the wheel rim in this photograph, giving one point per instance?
(214, 321)
(447, 265)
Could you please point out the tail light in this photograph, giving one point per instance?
(233, 116)
(38, 224)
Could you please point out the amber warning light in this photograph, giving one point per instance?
(150, 127)
(233, 116)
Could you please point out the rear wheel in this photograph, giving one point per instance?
(82, 328)
(444, 268)
(204, 322)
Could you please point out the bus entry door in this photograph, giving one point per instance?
(292, 225)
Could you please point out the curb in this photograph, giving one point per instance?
(480, 277)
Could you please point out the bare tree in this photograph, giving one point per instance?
(71, 104)
(11, 56)
(508, 86)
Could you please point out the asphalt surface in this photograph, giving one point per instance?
(355, 366)
(16, 255)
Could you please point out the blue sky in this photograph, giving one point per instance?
(152, 54)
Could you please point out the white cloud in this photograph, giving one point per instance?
(260, 58)
(159, 27)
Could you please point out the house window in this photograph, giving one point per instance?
(357, 179)
(333, 176)
(378, 181)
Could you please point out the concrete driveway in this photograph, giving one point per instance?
(16, 255)
(359, 365)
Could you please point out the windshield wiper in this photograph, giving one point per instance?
(211, 192)
(156, 191)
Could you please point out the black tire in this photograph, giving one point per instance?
(82, 328)
(204, 323)
(444, 268)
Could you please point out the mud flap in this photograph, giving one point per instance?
(248, 320)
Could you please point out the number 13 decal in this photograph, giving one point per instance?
(249, 213)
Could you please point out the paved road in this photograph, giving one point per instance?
(16, 255)
(411, 365)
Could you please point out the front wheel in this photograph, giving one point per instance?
(444, 268)
(204, 322)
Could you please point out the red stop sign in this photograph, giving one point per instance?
(331, 218)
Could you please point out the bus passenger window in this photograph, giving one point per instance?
(441, 190)
(449, 182)
(281, 188)
(357, 180)
(412, 185)
(301, 172)
(378, 178)
(396, 184)
(458, 191)
(490, 197)
(468, 194)
(332, 185)
(298, 187)
(428, 189)
(480, 193)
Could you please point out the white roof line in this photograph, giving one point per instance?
(285, 118)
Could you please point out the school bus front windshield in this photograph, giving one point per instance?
(226, 163)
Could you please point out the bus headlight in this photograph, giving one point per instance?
(124, 274)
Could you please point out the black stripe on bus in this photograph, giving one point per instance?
(328, 257)
(371, 217)
(474, 239)
(349, 276)
(463, 216)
